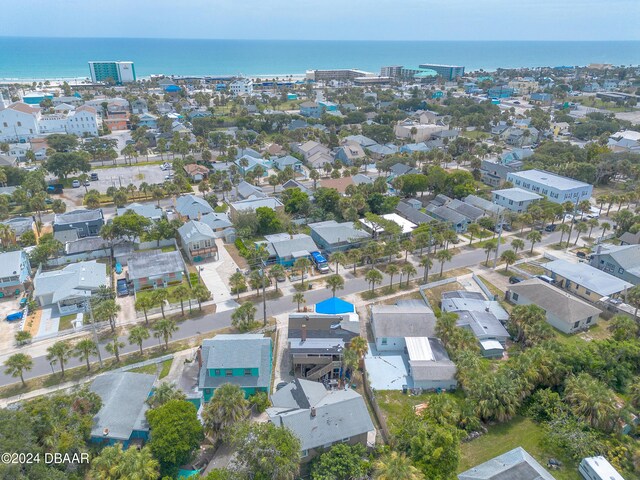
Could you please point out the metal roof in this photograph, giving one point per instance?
(155, 264)
(588, 277)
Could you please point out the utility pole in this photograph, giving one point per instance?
(95, 331)
(264, 298)
(498, 226)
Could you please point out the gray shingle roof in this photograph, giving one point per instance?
(154, 264)
(333, 232)
(123, 409)
(403, 321)
(77, 216)
(299, 243)
(193, 231)
(482, 324)
(516, 464)
(561, 304)
(148, 211)
(20, 225)
(337, 414)
(413, 214)
(192, 206)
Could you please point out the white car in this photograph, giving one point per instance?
(169, 177)
(165, 166)
(75, 183)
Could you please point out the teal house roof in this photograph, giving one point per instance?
(334, 306)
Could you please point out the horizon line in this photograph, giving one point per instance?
(313, 39)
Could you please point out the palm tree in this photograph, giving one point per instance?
(534, 237)
(201, 294)
(165, 329)
(581, 227)
(409, 270)
(350, 361)
(159, 296)
(443, 256)
(391, 270)
(84, 350)
(395, 466)
(564, 228)
(299, 299)
(360, 346)
(238, 283)
(335, 282)
(144, 303)
(354, 255)
(517, 244)
(17, 364)
(593, 223)
(302, 264)
(113, 347)
(426, 263)
(633, 298)
(408, 246)
(489, 246)
(227, 407)
(182, 293)
(473, 230)
(107, 309)
(373, 276)
(59, 352)
(339, 258)
(275, 272)
(591, 400)
(605, 227)
(137, 336)
(113, 462)
(508, 257)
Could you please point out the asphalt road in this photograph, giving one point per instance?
(210, 323)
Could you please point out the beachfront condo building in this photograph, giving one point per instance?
(117, 72)
(448, 72)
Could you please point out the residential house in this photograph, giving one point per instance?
(430, 367)
(192, 207)
(340, 184)
(463, 300)
(490, 208)
(198, 241)
(563, 311)
(122, 416)
(195, 172)
(392, 324)
(295, 184)
(319, 159)
(152, 212)
(622, 261)
(139, 106)
(320, 418)
(246, 190)
(218, 222)
(544, 99)
(406, 226)
(287, 161)
(627, 238)
(81, 223)
(248, 163)
(244, 360)
(70, 287)
(15, 273)
(416, 132)
(349, 153)
(457, 221)
(311, 109)
(148, 120)
(584, 280)
(241, 87)
(378, 152)
(515, 199)
(516, 464)
(415, 147)
(361, 140)
(556, 188)
(155, 269)
(413, 213)
(317, 342)
(285, 249)
(598, 468)
(310, 148)
(400, 169)
(332, 236)
(20, 225)
(491, 334)
(252, 204)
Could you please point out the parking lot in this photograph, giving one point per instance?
(119, 177)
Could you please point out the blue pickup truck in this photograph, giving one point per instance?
(122, 288)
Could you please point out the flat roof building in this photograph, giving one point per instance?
(556, 188)
(449, 72)
(119, 72)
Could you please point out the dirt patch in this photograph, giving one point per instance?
(32, 324)
(233, 253)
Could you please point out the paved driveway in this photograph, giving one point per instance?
(215, 275)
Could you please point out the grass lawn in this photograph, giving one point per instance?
(65, 322)
(519, 432)
(530, 268)
(170, 290)
(492, 288)
(475, 134)
(483, 243)
(148, 369)
(166, 366)
(168, 248)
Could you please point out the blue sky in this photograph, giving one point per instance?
(327, 19)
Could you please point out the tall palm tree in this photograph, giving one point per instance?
(391, 270)
(408, 269)
(159, 296)
(17, 364)
(534, 237)
(114, 346)
(395, 466)
(84, 350)
(373, 276)
(508, 257)
(633, 298)
(591, 400)
(339, 258)
(144, 303)
(182, 293)
(165, 329)
(489, 246)
(59, 352)
(201, 294)
(137, 336)
(517, 244)
(227, 407)
(335, 282)
(299, 299)
(359, 345)
(426, 263)
(275, 272)
(302, 265)
(354, 255)
(443, 256)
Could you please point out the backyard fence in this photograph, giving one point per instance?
(371, 395)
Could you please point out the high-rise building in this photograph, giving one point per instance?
(118, 72)
(449, 72)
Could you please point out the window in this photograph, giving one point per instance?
(383, 341)
(576, 325)
(621, 270)
(588, 292)
(19, 124)
(228, 373)
(589, 319)
(345, 440)
(514, 296)
(247, 372)
(216, 372)
(5, 124)
(305, 453)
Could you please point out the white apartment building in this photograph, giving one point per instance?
(242, 86)
(20, 122)
(556, 188)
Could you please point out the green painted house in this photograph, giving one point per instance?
(244, 360)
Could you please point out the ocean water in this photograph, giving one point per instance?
(29, 58)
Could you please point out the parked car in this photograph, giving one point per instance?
(281, 385)
(550, 228)
(75, 183)
(54, 189)
(165, 166)
(169, 177)
(93, 177)
(514, 279)
(12, 317)
(87, 183)
(122, 288)
(581, 254)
